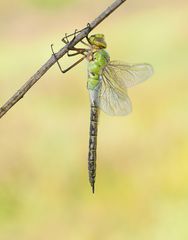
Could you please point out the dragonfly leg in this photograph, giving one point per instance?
(86, 44)
(79, 50)
(67, 69)
(76, 53)
(73, 65)
(82, 51)
(87, 38)
(66, 38)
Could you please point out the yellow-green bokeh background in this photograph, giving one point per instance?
(142, 174)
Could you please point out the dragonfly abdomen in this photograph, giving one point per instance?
(93, 146)
(95, 67)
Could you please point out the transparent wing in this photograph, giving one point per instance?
(112, 96)
(116, 77)
(129, 74)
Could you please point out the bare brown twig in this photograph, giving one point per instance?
(42, 70)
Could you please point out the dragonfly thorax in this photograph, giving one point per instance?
(99, 60)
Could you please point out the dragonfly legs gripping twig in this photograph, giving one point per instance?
(66, 38)
(82, 51)
(73, 54)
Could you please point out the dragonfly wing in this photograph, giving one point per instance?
(116, 77)
(128, 74)
(112, 96)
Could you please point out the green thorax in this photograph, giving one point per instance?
(95, 67)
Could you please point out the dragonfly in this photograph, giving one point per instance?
(107, 84)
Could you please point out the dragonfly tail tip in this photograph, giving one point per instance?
(93, 188)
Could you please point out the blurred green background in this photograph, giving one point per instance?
(142, 174)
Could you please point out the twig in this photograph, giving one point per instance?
(22, 91)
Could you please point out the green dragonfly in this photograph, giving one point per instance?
(107, 85)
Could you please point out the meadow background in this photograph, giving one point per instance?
(142, 167)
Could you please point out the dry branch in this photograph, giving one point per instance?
(42, 70)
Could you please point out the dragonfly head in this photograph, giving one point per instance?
(97, 40)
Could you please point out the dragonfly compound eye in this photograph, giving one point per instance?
(98, 41)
